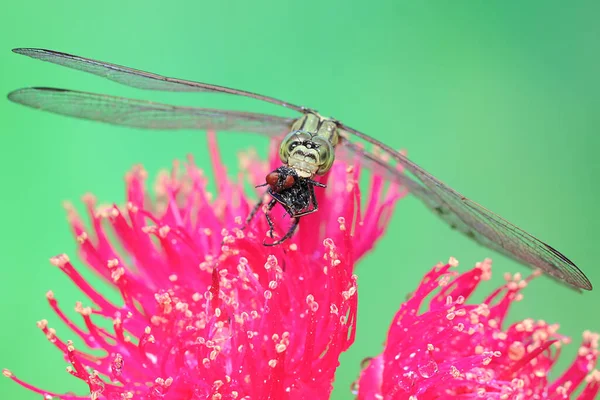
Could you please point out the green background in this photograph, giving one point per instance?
(498, 100)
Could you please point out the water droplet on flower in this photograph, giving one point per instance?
(406, 381)
(429, 369)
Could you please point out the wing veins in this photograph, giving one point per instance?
(138, 78)
(146, 114)
(480, 224)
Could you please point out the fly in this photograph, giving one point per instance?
(309, 148)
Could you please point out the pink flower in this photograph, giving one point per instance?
(451, 349)
(207, 311)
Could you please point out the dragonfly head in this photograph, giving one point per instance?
(307, 154)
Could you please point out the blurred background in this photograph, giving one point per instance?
(498, 100)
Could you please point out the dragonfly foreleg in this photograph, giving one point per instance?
(288, 235)
(254, 210)
(270, 206)
(315, 183)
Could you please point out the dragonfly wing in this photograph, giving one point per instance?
(468, 217)
(147, 114)
(351, 152)
(137, 78)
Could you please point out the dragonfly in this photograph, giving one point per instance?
(309, 148)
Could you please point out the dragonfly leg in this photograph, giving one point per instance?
(313, 197)
(288, 235)
(270, 206)
(315, 183)
(254, 210)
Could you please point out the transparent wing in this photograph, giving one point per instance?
(461, 213)
(146, 114)
(468, 217)
(139, 79)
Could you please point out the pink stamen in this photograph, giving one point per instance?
(206, 310)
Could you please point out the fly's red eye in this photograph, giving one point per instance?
(272, 178)
(289, 182)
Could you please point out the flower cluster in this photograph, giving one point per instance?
(450, 349)
(207, 311)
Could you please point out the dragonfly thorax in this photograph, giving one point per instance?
(309, 147)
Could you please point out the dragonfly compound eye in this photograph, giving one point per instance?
(290, 142)
(326, 154)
